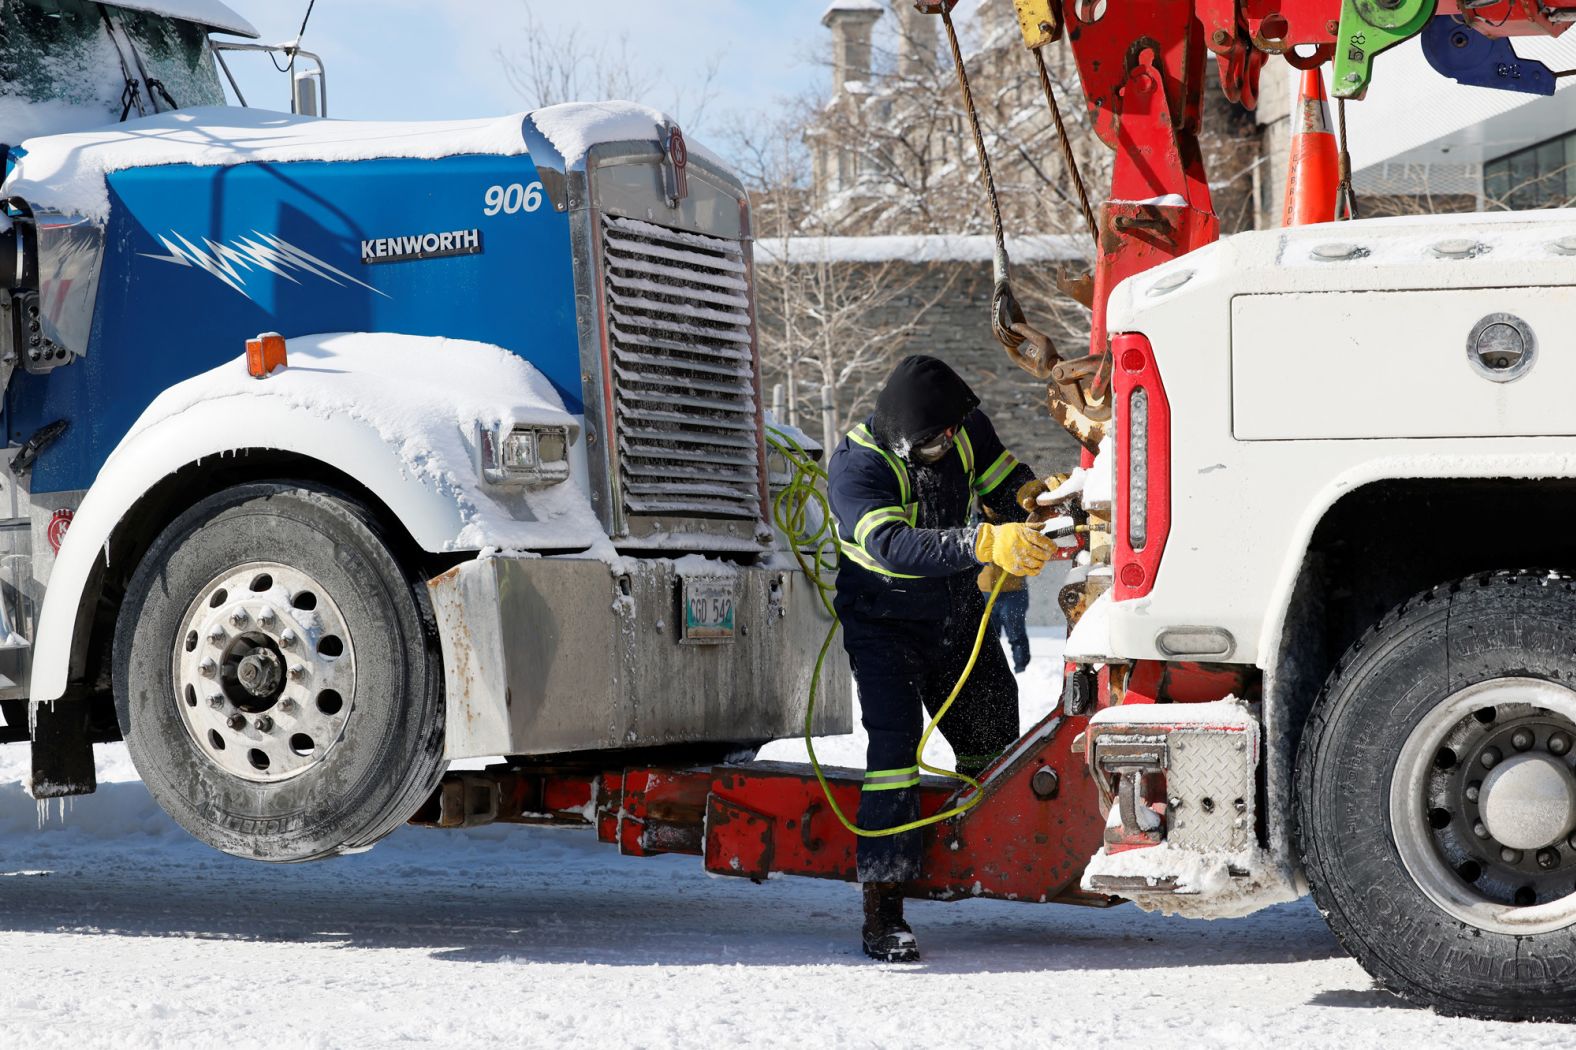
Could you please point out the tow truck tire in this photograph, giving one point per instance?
(1433, 791)
(278, 677)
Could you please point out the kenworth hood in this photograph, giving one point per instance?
(66, 173)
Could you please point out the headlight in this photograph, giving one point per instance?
(530, 456)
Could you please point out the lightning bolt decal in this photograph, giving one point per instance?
(234, 262)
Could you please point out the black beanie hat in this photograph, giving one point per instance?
(922, 397)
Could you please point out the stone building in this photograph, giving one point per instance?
(940, 302)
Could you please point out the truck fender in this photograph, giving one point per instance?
(428, 481)
(1513, 466)
(1288, 687)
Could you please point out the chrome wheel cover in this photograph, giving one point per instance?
(1440, 816)
(264, 672)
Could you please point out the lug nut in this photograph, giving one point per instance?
(1521, 739)
(265, 617)
(1473, 789)
(286, 704)
(216, 700)
(288, 638)
(1548, 858)
(1480, 830)
(236, 721)
(239, 618)
(217, 635)
(1510, 856)
(209, 667)
(297, 672)
(1559, 743)
(264, 724)
(1490, 758)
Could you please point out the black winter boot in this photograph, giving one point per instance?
(887, 937)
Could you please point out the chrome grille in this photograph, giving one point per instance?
(683, 371)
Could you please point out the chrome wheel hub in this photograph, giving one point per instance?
(1528, 802)
(264, 672)
(1483, 805)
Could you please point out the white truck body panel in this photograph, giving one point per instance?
(1267, 415)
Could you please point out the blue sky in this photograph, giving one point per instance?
(422, 59)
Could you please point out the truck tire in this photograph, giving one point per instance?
(1435, 800)
(277, 675)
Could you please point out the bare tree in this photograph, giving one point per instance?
(553, 66)
(831, 325)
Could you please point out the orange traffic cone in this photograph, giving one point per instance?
(1313, 172)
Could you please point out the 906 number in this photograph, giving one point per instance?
(512, 198)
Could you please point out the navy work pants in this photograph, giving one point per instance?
(904, 670)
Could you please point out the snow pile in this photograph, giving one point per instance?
(574, 127)
(204, 12)
(1491, 239)
(424, 397)
(790, 434)
(1207, 888)
(1229, 713)
(1073, 486)
(1100, 481)
(66, 172)
(918, 248)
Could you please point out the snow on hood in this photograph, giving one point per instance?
(424, 397)
(66, 172)
(208, 13)
(574, 127)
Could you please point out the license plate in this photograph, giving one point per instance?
(708, 610)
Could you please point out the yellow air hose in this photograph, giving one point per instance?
(792, 512)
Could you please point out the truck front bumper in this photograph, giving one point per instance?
(548, 655)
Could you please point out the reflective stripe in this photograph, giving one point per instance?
(891, 779)
(965, 451)
(861, 435)
(1004, 465)
(865, 560)
(876, 518)
(895, 786)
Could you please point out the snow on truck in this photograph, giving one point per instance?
(507, 494)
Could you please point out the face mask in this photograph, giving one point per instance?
(934, 449)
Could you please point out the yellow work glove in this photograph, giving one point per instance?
(1018, 548)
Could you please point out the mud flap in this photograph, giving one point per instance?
(62, 750)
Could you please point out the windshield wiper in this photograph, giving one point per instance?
(131, 97)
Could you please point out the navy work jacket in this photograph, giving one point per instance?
(903, 528)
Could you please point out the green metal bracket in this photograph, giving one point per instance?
(1367, 28)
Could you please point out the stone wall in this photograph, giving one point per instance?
(953, 301)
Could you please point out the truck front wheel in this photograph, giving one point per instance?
(1436, 798)
(278, 677)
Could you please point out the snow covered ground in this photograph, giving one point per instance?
(119, 931)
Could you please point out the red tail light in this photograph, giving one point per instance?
(1143, 467)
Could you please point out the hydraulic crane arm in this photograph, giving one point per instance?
(1142, 69)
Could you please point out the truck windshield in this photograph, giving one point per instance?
(60, 69)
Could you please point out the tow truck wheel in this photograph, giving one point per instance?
(277, 675)
(1436, 798)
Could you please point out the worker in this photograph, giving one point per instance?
(902, 486)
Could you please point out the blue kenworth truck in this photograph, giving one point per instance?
(341, 450)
